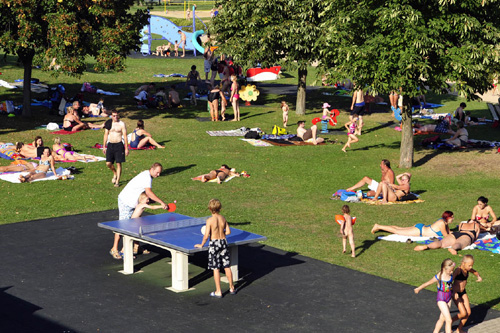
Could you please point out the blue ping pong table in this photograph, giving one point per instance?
(178, 234)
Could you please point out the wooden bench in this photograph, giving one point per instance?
(494, 111)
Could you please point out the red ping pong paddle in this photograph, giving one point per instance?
(171, 207)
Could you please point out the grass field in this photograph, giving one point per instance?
(287, 196)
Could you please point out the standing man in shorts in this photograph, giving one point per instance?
(308, 134)
(373, 185)
(358, 108)
(183, 42)
(129, 198)
(114, 148)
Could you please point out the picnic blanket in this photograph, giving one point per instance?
(8, 152)
(257, 142)
(13, 177)
(237, 132)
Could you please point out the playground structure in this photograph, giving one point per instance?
(332, 120)
(168, 31)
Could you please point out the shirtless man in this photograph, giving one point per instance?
(358, 107)
(114, 149)
(307, 134)
(183, 42)
(173, 97)
(373, 185)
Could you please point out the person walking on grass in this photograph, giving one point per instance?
(444, 280)
(352, 126)
(114, 148)
(216, 230)
(347, 231)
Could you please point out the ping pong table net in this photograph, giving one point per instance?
(154, 228)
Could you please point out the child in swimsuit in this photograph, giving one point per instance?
(176, 49)
(234, 98)
(459, 293)
(351, 126)
(346, 231)
(444, 280)
(284, 108)
(326, 112)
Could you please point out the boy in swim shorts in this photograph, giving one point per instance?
(218, 253)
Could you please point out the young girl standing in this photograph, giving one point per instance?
(459, 293)
(346, 231)
(351, 126)
(444, 280)
(284, 108)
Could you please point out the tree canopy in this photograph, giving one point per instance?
(413, 45)
(68, 31)
(270, 32)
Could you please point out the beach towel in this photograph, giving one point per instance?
(285, 143)
(14, 176)
(7, 85)
(237, 132)
(64, 132)
(257, 143)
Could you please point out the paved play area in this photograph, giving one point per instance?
(57, 276)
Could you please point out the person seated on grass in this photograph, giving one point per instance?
(466, 235)
(18, 166)
(393, 192)
(45, 164)
(308, 135)
(38, 144)
(374, 187)
(481, 213)
(70, 155)
(440, 228)
(220, 174)
(173, 97)
(72, 122)
(460, 137)
(140, 138)
(459, 114)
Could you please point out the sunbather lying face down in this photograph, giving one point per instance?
(220, 174)
(467, 234)
(439, 228)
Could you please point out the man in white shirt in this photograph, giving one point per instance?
(129, 197)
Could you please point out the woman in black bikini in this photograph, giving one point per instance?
(467, 234)
(393, 192)
(213, 100)
(220, 174)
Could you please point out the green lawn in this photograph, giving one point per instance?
(287, 196)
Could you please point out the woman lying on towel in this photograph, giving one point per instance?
(45, 164)
(220, 174)
(467, 234)
(70, 155)
(439, 228)
(140, 138)
(18, 166)
(482, 212)
(393, 192)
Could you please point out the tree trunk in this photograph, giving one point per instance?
(300, 107)
(27, 63)
(406, 149)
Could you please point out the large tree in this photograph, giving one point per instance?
(413, 44)
(68, 31)
(270, 33)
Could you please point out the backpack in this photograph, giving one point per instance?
(278, 130)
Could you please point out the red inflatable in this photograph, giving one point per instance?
(340, 218)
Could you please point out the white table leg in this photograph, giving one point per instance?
(180, 277)
(128, 255)
(234, 264)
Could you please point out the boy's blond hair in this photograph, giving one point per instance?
(142, 197)
(468, 257)
(214, 206)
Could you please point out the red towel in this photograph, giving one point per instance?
(63, 132)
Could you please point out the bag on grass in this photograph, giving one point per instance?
(278, 130)
(252, 135)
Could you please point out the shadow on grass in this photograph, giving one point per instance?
(365, 246)
(376, 128)
(174, 170)
(480, 311)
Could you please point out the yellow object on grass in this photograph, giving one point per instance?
(249, 93)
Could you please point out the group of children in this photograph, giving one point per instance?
(164, 50)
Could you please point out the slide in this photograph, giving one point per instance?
(168, 31)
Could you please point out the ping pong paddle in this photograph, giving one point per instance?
(171, 207)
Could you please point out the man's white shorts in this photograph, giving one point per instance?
(373, 186)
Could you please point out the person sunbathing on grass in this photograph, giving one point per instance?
(26, 151)
(220, 174)
(140, 138)
(440, 228)
(66, 155)
(308, 134)
(393, 192)
(18, 166)
(467, 233)
(46, 163)
(72, 122)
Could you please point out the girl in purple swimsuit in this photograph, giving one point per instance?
(444, 280)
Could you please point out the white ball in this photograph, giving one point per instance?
(203, 229)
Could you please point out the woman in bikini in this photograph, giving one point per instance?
(72, 122)
(140, 138)
(45, 164)
(70, 155)
(220, 174)
(440, 228)
(18, 166)
(235, 96)
(393, 192)
(481, 213)
(192, 82)
(467, 234)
